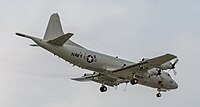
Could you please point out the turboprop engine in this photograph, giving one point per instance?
(166, 66)
(169, 65)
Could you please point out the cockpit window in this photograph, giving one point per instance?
(168, 75)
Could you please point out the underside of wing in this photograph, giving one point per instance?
(143, 66)
(100, 78)
(158, 61)
(86, 77)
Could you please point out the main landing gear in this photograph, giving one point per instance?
(103, 88)
(134, 81)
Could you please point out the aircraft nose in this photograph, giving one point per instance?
(175, 85)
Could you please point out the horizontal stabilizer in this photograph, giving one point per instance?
(86, 77)
(59, 41)
(81, 79)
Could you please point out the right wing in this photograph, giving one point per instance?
(143, 66)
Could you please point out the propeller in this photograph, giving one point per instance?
(159, 72)
(125, 88)
(116, 87)
(174, 66)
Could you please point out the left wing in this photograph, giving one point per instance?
(100, 78)
(86, 77)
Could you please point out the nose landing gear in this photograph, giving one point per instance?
(160, 90)
(158, 94)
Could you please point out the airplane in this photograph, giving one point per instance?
(107, 70)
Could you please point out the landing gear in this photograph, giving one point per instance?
(103, 88)
(160, 90)
(134, 81)
(158, 94)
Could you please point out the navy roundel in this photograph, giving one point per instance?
(90, 58)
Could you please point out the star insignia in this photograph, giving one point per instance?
(90, 58)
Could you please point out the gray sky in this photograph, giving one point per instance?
(131, 29)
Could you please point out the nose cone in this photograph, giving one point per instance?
(175, 85)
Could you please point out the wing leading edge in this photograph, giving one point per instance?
(150, 63)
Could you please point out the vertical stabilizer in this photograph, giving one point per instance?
(54, 28)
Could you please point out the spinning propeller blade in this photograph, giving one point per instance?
(174, 66)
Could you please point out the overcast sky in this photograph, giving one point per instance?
(130, 29)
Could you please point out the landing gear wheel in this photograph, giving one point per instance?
(134, 81)
(103, 88)
(158, 95)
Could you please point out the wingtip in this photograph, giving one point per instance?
(171, 54)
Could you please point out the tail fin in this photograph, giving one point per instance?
(54, 28)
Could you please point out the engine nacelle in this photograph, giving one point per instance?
(153, 72)
(87, 74)
(165, 66)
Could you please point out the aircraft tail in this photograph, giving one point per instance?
(55, 32)
(54, 28)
